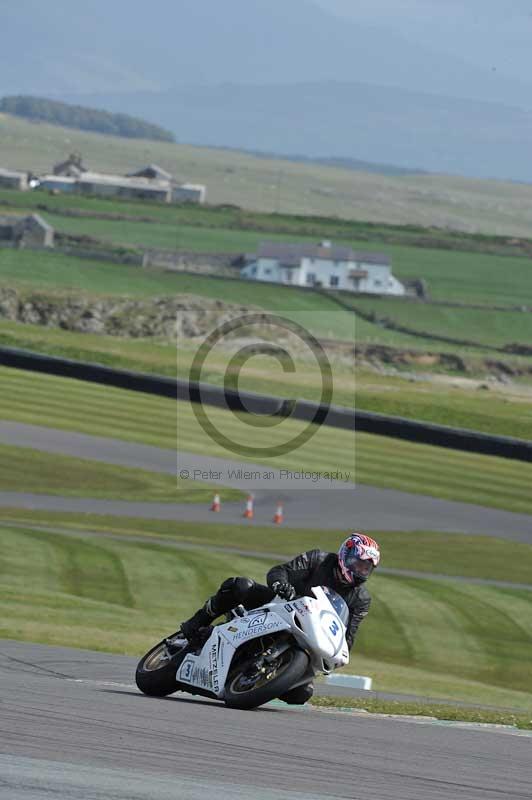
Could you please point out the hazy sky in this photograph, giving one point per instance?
(491, 33)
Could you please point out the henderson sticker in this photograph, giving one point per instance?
(256, 629)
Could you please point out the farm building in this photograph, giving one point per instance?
(189, 193)
(11, 179)
(73, 167)
(333, 267)
(58, 183)
(149, 183)
(153, 172)
(30, 231)
(116, 185)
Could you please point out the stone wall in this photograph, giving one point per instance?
(223, 264)
(164, 317)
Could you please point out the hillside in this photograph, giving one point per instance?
(40, 109)
(270, 185)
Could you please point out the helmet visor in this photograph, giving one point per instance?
(360, 568)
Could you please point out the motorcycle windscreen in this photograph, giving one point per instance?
(338, 603)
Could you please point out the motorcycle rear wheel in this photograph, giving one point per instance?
(156, 672)
(241, 693)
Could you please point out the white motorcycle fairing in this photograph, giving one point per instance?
(312, 621)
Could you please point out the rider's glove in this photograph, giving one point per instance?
(284, 590)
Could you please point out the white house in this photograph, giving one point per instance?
(324, 264)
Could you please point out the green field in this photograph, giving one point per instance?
(484, 326)
(233, 217)
(448, 640)
(54, 271)
(24, 469)
(375, 460)
(231, 177)
(460, 277)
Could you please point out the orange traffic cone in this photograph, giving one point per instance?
(278, 516)
(216, 505)
(248, 513)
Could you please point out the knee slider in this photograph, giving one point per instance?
(306, 692)
(298, 696)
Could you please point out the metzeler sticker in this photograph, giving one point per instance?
(213, 674)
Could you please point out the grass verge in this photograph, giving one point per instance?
(441, 712)
(26, 470)
(431, 551)
(374, 460)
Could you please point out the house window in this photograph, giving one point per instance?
(267, 271)
(334, 280)
(311, 278)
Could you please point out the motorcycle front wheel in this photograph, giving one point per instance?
(156, 671)
(249, 687)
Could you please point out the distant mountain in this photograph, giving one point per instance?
(345, 120)
(119, 46)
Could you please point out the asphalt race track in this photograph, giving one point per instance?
(362, 506)
(74, 727)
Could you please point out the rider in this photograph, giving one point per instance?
(345, 572)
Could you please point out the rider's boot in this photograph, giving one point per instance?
(232, 592)
(194, 629)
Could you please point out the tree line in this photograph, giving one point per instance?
(82, 118)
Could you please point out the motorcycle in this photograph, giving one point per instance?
(255, 656)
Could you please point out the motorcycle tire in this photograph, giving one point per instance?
(156, 673)
(294, 667)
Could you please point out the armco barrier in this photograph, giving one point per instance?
(335, 416)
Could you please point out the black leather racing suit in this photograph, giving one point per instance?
(312, 568)
(317, 568)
